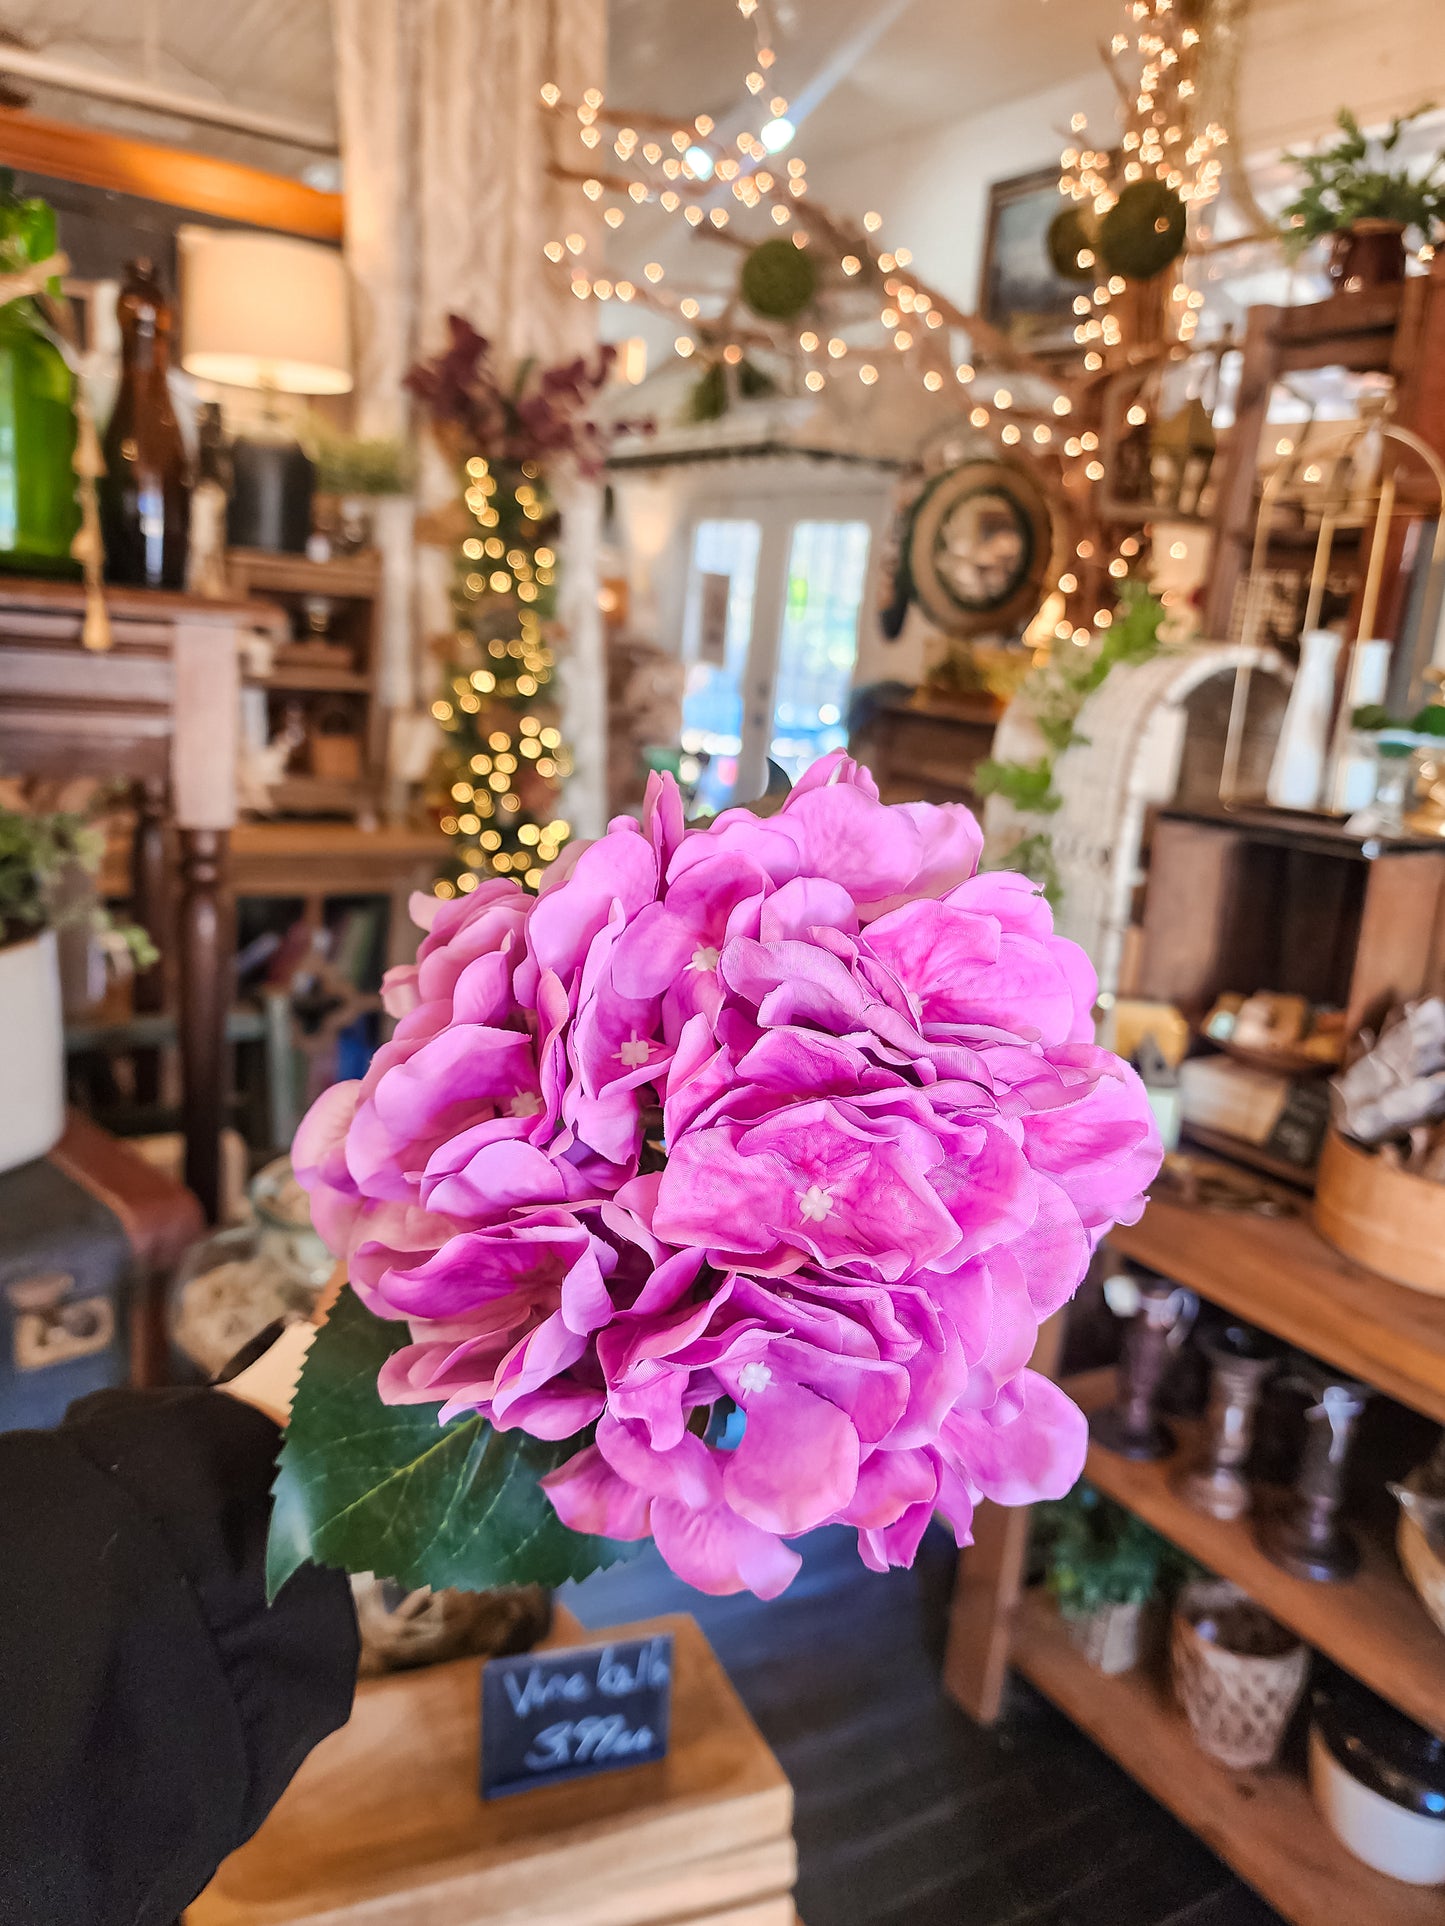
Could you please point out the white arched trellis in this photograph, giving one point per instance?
(1128, 757)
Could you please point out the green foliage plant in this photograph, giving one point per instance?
(1351, 181)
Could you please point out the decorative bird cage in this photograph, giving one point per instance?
(1368, 481)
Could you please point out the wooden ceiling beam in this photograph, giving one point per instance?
(203, 185)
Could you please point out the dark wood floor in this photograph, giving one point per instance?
(907, 1813)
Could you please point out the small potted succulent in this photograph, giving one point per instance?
(47, 863)
(1103, 1567)
(1352, 194)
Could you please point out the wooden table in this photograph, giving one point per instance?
(383, 1824)
(158, 709)
(314, 860)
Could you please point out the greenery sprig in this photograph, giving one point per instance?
(1097, 1554)
(36, 852)
(1054, 696)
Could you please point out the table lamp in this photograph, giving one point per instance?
(262, 311)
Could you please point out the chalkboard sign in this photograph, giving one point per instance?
(565, 1714)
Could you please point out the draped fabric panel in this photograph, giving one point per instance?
(448, 204)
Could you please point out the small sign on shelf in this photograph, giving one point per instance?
(567, 1714)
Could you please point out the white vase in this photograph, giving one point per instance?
(1352, 778)
(32, 1061)
(1297, 773)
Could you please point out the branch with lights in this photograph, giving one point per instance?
(828, 298)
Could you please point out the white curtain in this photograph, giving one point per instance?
(448, 204)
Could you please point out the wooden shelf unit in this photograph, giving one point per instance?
(1374, 1625)
(1264, 1824)
(1279, 1273)
(346, 686)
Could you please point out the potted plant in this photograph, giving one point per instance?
(1353, 195)
(47, 866)
(35, 852)
(354, 474)
(1103, 1568)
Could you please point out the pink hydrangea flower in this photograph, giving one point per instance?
(800, 1115)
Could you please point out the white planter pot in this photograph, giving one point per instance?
(1407, 1845)
(32, 1055)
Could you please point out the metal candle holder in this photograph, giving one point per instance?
(1306, 1537)
(1129, 1425)
(1241, 1358)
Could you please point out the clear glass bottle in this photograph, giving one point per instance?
(39, 514)
(145, 494)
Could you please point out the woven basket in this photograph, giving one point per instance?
(1423, 1565)
(1237, 1703)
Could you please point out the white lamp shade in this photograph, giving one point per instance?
(262, 311)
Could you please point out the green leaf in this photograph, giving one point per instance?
(373, 1487)
(1028, 786)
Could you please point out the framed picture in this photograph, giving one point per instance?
(1019, 290)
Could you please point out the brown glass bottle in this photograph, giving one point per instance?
(145, 494)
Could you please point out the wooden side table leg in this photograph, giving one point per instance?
(990, 1576)
(151, 908)
(205, 995)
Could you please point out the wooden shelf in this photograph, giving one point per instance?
(1280, 1274)
(1264, 1824)
(266, 571)
(288, 676)
(1220, 1144)
(1373, 1625)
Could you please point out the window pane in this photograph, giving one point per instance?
(717, 630)
(827, 570)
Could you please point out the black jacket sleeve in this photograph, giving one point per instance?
(152, 1707)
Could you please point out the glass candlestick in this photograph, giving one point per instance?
(1159, 1325)
(1306, 1537)
(1240, 1360)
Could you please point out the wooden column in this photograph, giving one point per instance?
(205, 953)
(151, 907)
(203, 792)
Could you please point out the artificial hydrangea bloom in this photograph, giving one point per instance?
(800, 1115)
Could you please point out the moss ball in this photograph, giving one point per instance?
(778, 280)
(1143, 231)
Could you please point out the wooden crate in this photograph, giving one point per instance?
(384, 1825)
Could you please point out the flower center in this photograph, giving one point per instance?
(526, 1103)
(704, 957)
(634, 1053)
(815, 1204)
(754, 1377)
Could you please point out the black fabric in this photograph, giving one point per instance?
(152, 1707)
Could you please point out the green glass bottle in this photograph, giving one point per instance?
(39, 514)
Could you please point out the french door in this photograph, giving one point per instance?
(770, 637)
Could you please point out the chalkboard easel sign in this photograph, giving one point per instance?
(565, 1714)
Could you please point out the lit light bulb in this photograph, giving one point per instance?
(778, 133)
